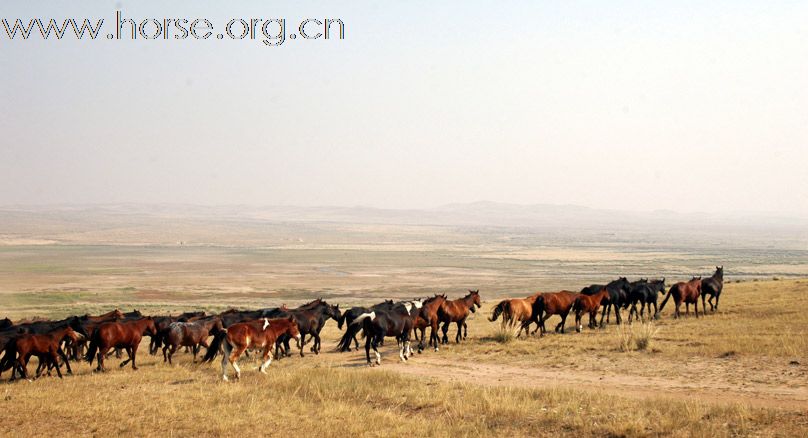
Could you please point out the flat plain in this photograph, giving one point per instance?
(740, 371)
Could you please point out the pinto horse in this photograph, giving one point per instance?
(190, 334)
(712, 286)
(237, 338)
(588, 304)
(124, 334)
(552, 303)
(457, 311)
(428, 317)
(46, 347)
(515, 310)
(351, 329)
(646, 293)
(684, 292)
(396, 322)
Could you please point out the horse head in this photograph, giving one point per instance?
(719, 272)
(149, 329)
(333, 312)
(475, 297)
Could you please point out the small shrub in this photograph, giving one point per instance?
(637, 337)
(645, 335)
(505, 335)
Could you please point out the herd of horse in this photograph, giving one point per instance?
(237, 332)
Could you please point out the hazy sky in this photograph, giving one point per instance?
(635, 105)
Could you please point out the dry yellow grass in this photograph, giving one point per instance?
(753, 341)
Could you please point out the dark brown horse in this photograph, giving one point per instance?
(515, 310)
(259, 334)
(457, 311)
(428, 317)
(712, 286)
(124, 334)
(684, 292)
(552, 303)
(190, 334)
(588, 304)
(46, 347)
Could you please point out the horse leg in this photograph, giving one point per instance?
(465, 330)
(696, 306)
(421, 342)
(316, 346)
(608, 313)
(617, 314)
(433, 335)
(165, 353)
(54, 359)
(459, 335)
(656, 311)
(64, 358)
(225, 358)
(267, 360)
(133, 351)
(368, 340)
(375, 344)
(171, 354)
(716, 301)
(129, 359)
(603, 314)
(445, 330)
(401, 348)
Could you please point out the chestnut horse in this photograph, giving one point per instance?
(687, 292)
(124, 334)
(588, 304)
(553, 303)
(258, 334)
(46, 347)
(457, 311)
(515, 310)
(428, 317)
(712, 286)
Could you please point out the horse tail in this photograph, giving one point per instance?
(215, 345)
(499, 309)
(341, 320)
(93, 348)
(361, 317)
(540, 307)
(577, 304)
(670, 292)
(10, 356)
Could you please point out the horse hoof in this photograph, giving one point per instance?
(224, 378)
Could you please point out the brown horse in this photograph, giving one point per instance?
(190, 334)
(46, 347)
(552, 303)
(262, 333)
(428, 317)
(687, 292)
(457, 311)
(515, 310)
(125, 334)
(588, 304)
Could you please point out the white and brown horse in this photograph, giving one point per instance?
(259, 334)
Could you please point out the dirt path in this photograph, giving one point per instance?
(706, 389)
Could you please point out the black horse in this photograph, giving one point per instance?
(646, 293)
(311, 319)
(712, 286)
(618, 295)
(351, 330)
(396, 322)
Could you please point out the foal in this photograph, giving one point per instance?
(237, 338)
(47, 348)
(588, 304)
